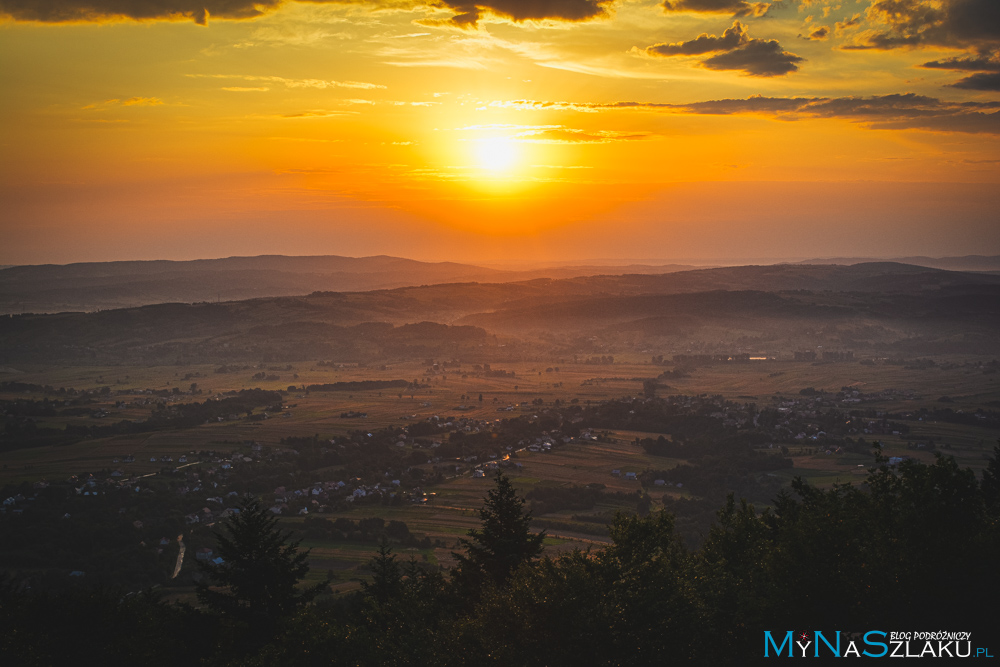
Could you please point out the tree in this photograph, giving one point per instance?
(387, 576)
(256, 581)
(504, 543)
(991, 480)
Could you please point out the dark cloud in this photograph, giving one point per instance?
(63, 11)
(819, 32)
(731, 38)
(973, 20)
(735, 7)
(979, 64)
(758, 57)
(982, 81)
(200, 11)
(932, 23)
(987, 66)
(468, 14)
(735, 50)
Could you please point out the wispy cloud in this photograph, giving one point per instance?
(316, 113)
(293, 83)
(128, 102)
(895, 111)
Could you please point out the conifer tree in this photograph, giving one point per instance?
(504, 542)
(256, 581)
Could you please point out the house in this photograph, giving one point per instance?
(630, 475)
(203, 554)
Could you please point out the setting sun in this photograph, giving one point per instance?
(496, 154)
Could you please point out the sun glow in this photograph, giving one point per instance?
(496, 154)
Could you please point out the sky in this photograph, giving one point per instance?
(499, 130)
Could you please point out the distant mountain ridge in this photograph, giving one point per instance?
(95, 286)
(965, 263)
(883, 307)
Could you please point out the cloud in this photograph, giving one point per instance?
(129, 102)
(986, 65)
(982, 81)
(820, 32)
(242, 89)
(734, 50)
(910, 23)
(978, 64)
(292, 83)
(896, 111)
(142, 102)
(568, 135)
(71, 11)
(732, 38)
(467, 14)
(317, 113)
(537, 105)
(847, 24)
(554, 134)
(738, 8)
(759, 57)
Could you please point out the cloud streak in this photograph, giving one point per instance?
(128, 102)
(738, 8)
(896, 111)
(293, 83)
(467, 13)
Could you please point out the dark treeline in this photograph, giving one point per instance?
(913, 548)
(361, 385)
(21, 430)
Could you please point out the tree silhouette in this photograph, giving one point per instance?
(991, 480)
(504, 542)
(256, 582)
(387, 575)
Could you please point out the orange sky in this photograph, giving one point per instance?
(569, 129)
